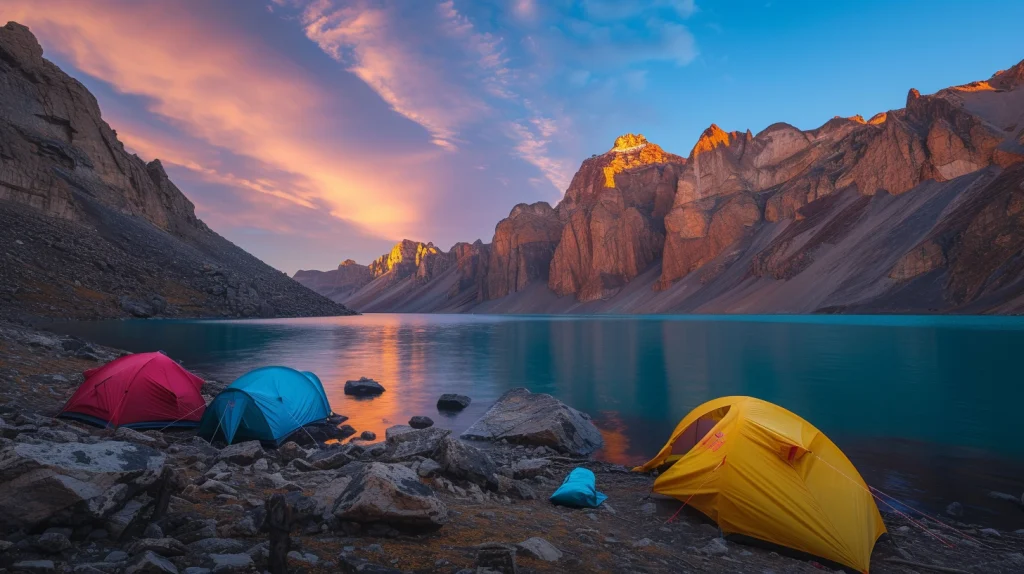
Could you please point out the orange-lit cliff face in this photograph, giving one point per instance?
(888, 214)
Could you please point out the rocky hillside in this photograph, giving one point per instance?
(915, 210)
(88, 230)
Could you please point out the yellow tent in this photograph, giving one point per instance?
(759, 470)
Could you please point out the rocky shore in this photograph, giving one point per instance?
(75, 498)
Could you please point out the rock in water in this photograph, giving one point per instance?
(537, 419)
(391, 494)
(421, 422)
(363, 387)
(453, 402)
(40, 482)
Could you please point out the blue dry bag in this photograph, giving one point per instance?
(579, 490)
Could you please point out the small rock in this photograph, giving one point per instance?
(260, 465)
(368, 435)
(642, 543)
(364, 387)
(529, 467)
(1007, 497)
(290, 451)
(355, 565)
(541, 549)
(34, 566)
(991, 532)
(428, 468)
(53, 543)
(421, 422)
(903, 529)
(231, 562)
(374, 548)
(197, 570)
(243, 453)
(955, 509)
(160, 546)
(153, 531)
(649, 508)
(311, 559)
(717, 547)
(151, 563)
(217, 546)
(116, 556)
(453, 402)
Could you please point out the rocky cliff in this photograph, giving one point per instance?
(89, 230)
(919, 209)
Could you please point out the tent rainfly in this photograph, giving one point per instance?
(146, 390)
(761, 471)
(266, 404)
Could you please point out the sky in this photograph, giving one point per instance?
(313, 131)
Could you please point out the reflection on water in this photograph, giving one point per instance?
(928, 406)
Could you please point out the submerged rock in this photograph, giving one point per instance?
(364, 387)
(453, 402)
(390, 494)
(537, 419)
(421, 422)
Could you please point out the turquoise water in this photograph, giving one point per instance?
(929, 407)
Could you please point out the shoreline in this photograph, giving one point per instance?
(627, 533)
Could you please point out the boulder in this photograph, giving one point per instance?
(243, 453)
(405, 446)
(71, 482)
(537, 419)
(540, 549)
(364, 387)
(390, 494)
(463, 461)
(421, 422)
(453, 402)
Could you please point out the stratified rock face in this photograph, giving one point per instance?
(101, 233)
(50, 140)
(613, 214)
(522, 248)
(915, 209)
(537, 419)
(336, 284)
(403, 260)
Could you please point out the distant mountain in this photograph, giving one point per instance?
(88, 230)
(917, 210)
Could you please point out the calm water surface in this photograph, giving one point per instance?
(929, 408)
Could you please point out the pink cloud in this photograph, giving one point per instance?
(231, 91)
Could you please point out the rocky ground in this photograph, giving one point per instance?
(74, 498)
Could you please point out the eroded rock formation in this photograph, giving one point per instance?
(916, 209)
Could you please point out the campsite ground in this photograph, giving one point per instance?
(631, 532)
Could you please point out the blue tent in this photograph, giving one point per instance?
(267, 404)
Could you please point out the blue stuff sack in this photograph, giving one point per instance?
(579, 490)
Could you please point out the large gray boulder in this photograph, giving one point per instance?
(72, 483)
(537, 419)
(467, 462)
(390, 494)
(405, 446)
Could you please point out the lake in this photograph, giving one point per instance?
(928, 408)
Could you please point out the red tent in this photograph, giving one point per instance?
(147, 390)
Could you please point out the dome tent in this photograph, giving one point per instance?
(760, 471)
(266, 404)
(145, 390)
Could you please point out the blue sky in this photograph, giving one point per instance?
(312, 131)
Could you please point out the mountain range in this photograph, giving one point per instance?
(915, 210)
(89, 230)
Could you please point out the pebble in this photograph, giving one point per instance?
(649, 508)
(991, 532)
(717, 547)
(642, 542)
